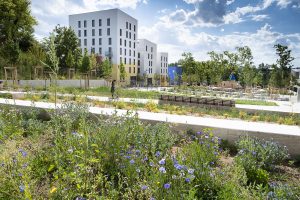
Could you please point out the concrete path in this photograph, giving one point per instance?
(180, 119)
(283, 106)
(224, 128)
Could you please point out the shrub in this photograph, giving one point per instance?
(151, 107)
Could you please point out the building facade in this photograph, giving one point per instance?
(147, 60)
(112, 34)
(162, 69)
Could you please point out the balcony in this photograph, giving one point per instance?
(108, 54)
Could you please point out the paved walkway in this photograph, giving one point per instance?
(283, 106)
(180, 119)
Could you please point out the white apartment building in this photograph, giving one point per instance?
(162, 62)
(111, 34)
(147, 59)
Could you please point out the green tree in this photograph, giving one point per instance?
(86, 64)
(70, 62)
(93, 61)
(285, 64)
(107, 69)
(122, 72)
(66, 40)
(189, 65)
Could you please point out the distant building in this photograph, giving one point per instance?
(111, 34)
(175, 75)
(147, 60)
(162, 66)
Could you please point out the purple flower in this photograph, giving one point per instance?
(162, 170)
(167, 186)
(212, 163)
(151, 164)
(146, 158)
(187, 180)
(253, 153)
(215, 153)
(152, 198)
(2, 164)
(131, 161)
(137, 152)
(157, 154)
(22, 188)
(199, 133)
(144, 187)
(128, 157)
(191, 171)
(206, 136)
(178, 167)
(162, 161)
(24, 153)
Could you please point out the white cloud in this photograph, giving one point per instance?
(52, 12)
(259, 18)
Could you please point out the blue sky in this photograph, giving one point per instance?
(196, 26)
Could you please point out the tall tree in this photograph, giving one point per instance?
(66, 40)
(70, 62)
(189, 65)
(86, 64)
(285, 64)
(107, 69)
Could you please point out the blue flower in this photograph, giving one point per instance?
(191, 171)
(212, 163)
(162, 170)
(187, 180)
(144, 187)
(128, 157)
(137, 152)
(22, 188)
(162, 161)
(146, 158)
(131, 161)
(24, 153)
(151, 164)
(157, 154)
(167, 186)
(178, 167)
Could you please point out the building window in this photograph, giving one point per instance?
(161, 71)
(161, 65)
(151, 56)
(129, 44)
(134, 70)
(148, 56)
(129, 35)
(161, 58)
(139, 55)
(149, 64)
(129, 68)
(109, 41)
(93, 41)
(84, 23)
(134, 28)
(146, 48)
(93, 23)
(139, 63)
(109, 49)
(134, 53)
(93, 50)
(134, 45)
(79, 24)
(125, 43)
(125, 61)
(129, 61)
(126, 34)
(85, 33)
(100, 32)
(126, 25)
(100, 50)
(79, 33)
(129, 52)
(134, 63)
(120, 51)
(85, 42)
(108, 21)
(125, 52)
(79, 42)
(130, 26)
(100, 22)
(120, 41)
(120, 60)
(93, 32)
(151, 49)
(134, 36)
(120, 32)
(100, 41)
(108, 31)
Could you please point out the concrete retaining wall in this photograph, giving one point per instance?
(62, 83)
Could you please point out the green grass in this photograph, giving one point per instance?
(255, 102)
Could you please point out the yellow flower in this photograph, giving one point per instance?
(158, 183)
(53, 190)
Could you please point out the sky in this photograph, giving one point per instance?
(196, 26)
